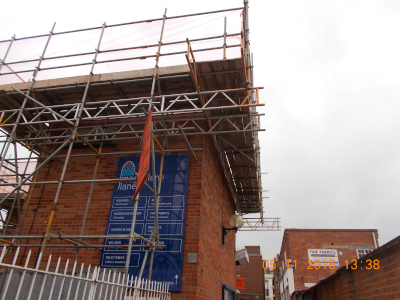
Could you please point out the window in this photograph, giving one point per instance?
(228, 293)
(267, 292)
(362, 252)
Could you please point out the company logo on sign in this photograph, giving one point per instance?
(127, 171)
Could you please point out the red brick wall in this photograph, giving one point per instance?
(360, 283)
(209, 206)
(296, 242)
(253, 274)
(285, 247)
(216, 261)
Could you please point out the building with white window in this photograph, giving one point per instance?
(308, 256)
(269, 284)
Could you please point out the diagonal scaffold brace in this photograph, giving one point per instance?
(154, 235)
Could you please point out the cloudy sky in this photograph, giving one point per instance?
(330, 72)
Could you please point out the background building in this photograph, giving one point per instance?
(304, 250)
(269, 284)
(277, 280)
(375, 275)
(253, 275)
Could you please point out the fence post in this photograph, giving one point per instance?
(93, 284)
(8, 279)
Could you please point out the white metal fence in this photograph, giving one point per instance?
(22, 282)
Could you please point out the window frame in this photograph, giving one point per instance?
(364, 252)
(227, 287)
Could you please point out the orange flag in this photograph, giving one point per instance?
(144, 162)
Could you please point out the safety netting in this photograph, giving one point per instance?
(123, 47)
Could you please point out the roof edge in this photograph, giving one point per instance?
(65, 81)
(348, 230)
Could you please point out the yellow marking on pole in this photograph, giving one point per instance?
(158, 142)
(248, 96)
(84, 140)
(6, 242)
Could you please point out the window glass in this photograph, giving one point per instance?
(228, 294)
(362, 252)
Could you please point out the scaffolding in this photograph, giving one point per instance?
(204, 87)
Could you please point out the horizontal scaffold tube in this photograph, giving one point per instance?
(123, 24)
(105, 153)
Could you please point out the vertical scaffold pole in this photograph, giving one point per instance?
(5, 227)
(30, 191)
(247, 39)
(73, 137)
(90, 195)
(155, 233)
(224, 56)
(17, 194)
(131, 235)
(17, 179)
(14, 130)
(8, 50)
(155, 73)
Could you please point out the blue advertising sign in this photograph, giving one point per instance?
(168, 261)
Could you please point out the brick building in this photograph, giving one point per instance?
(362, 279)
(277, 280)
(269, 284)
(86, 135)
(308, 256)
(253, 275)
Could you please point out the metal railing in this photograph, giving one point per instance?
(22, 282)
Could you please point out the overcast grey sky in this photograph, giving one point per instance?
(330, 70)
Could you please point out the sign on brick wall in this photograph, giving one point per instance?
(323, 256)
(167, 265)
(240, 283)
